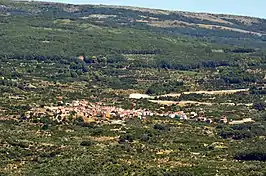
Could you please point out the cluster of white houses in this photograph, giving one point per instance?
(95, 112)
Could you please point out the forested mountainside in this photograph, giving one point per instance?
(174, 22)
(48, 29)
(113, 90)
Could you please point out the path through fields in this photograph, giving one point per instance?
(184, 103)
(213, 92)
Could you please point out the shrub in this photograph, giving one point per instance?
(259, 106)
(145, 137)
(251, 156)
(86, 143)
(125, 138)
(242, 131)
(45, 127)
(97, 132)
(161, 127)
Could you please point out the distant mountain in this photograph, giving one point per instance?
(172, 22)
(172, 39)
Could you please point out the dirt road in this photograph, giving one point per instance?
(213, 92)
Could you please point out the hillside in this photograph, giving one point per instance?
(65, 30)
(226, 29)
(113, 90)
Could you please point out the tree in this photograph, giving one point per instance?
(149, 91)
(260, 106)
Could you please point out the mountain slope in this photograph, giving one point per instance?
(68, 76)
(170, 22)
(30, 29)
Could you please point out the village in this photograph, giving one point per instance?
(100, 113)
(96, 112)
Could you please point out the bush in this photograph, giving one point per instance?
(242, 131)
(125, 138)
(45, 127)
(161, 127)
(86, 143)
(145, 137)
(259, 106)
(97, 132)
(251, 156)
